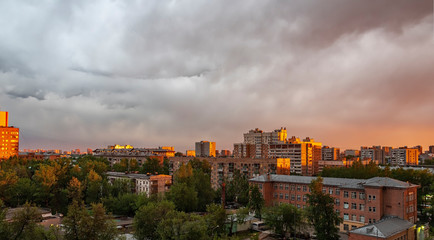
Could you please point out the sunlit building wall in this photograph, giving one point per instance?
(9, 138)
(205, 149)
(330, 153)
(404, 156)
(256, 139)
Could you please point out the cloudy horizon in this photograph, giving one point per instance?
(87, 74)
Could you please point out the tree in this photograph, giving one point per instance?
(215, 220)
(205, 193)
(285, 218)
(151, 166)
(148, 217)
(183, 196)
(237, 189)
(80, 224)
(256, 201)
(24, 224)
(321, 212)
(182, 226)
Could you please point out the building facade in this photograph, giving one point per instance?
(223, 168)
(9, 138)
(404, 156)
(330, 153)
(143, 183)
(254, 141)
(358, 201)
(114, 154)
(205, 149)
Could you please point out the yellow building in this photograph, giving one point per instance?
(9, 138)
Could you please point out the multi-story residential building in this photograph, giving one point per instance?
(114, 154)
(358, 201)
(143, 183)
(252, 147)
(190, 153)
(205, 149)
(225, 153)
(404, 156)
(9, 138)
(305, 155)
(351, 152)
(431, 149)
(224, 168)
(330, 153)
(344, 162)
(375, 153)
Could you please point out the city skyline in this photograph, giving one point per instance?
(92, 74)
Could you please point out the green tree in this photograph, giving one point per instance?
(183, 196)
(215, 220)
(256, 201)
(237, 190)
(321, 212)
(24, 224)
(285, 218)
(182, 226)
(151, 166)
(148, 217)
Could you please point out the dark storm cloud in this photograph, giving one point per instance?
(174, 72)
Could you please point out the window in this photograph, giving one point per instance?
(362, 218)
(281, 187)
(346, 227)
(330, 191)
(353, 217)
(370, 209)
(362, 207)
(286, 196)
(373, 209)
(292, 197)
(275, 195)
(298, 205)
(370, 220)
(362, 195)
(337, 202)
(298, 198)
(353, 195)
(304, 188)
(345, 194)
(411, 208)
(346, 216)
(337, 211)
(353, 227)
(281, 196)
(298, 188)
(275, 186)
(324, 190)
(292, 187)
(304, 198)
(286, 186)
(338, 191)
(410, 196)
(373, 197)
(346, 205)
(353, 205)
(369, 197)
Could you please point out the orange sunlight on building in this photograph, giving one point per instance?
(9, 138)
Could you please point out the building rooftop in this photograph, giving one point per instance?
(339, 182)
(385, 228)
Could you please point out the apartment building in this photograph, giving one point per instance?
(358, 201)
(224, 168)
(404, 156)
(305, 155)
(114, 154)
(252, 147)
(330, 153)
(9, 138)
(143, 183)
(205, 149)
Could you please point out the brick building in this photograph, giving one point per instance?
(224, 168)
(389, 229)
(358, 201)
(143, 183)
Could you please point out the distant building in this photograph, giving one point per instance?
(9, 138)
(205, 149)
(224, 168)
(351, 152)
(225, 153)
(358, 201)
(330, 153)
(375, 153)
(252, 147)
(190, 153)
(404, 156)
(114, 154)
(431, 149)
(143, 183)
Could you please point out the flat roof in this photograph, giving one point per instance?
(384, 228)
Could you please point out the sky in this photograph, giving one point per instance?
(87, 74)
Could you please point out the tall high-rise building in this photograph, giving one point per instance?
(375, 153)
(205, 149)
(9, 138)
(254, 141)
